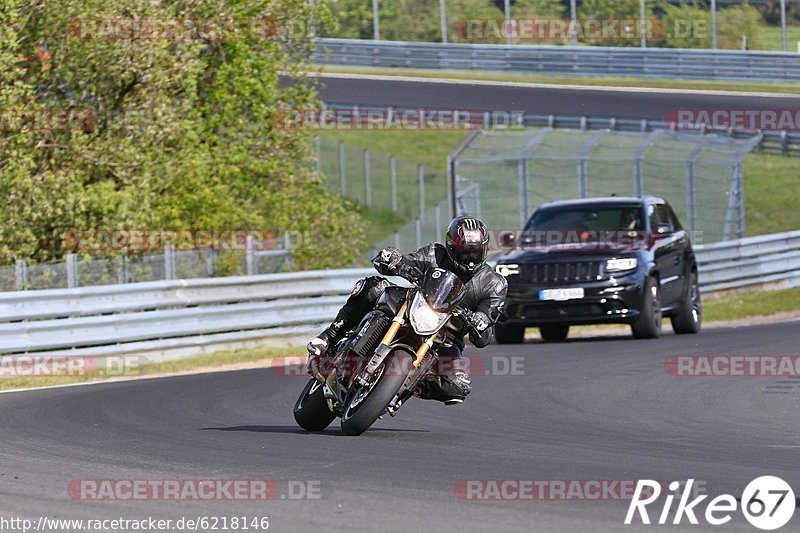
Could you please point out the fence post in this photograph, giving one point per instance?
(393, 171)
(421, 175)
(438, 215)
(71, 261)
(169, 261)
(418, 225)
(522, 169)
(342, 173)
(21, 274)
(250, 257)
(690, 196)
(124, 273)
(367, 181)
(397, 239)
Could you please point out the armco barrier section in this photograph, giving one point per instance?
(192, 314)
(571, 60)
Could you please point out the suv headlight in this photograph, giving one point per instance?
(425, 319)
(621, 264)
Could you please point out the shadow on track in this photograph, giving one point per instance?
(297, 430)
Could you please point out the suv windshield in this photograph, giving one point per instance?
(602, 218)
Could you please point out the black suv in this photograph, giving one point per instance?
(599, 260)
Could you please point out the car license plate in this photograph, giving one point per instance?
(560, 295)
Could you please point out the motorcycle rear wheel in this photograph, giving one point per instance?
(358, 418)
(311, 411)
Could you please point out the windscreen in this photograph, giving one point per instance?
(442, 289)
(626, 218)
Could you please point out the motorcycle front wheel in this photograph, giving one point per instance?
(369, 403)
(311, 411)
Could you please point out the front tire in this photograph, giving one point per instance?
(689, 317)
(648, 324)
(554, 332)
(311, 411)
(509, 334)
(357, 419)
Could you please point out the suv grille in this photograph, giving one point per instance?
(563, 272)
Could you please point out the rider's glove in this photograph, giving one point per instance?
(315, 349)
(479, 321)
(390, 257)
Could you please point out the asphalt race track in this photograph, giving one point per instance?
(587, 409)
(643, 103)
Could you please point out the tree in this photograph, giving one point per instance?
(176, 133)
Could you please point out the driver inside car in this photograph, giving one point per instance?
(464, 254)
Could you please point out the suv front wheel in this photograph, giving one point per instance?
(648, 324)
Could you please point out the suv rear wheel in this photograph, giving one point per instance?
(648, 325)
(554, 332)
(509, 334)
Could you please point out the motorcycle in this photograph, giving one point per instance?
(377, 366)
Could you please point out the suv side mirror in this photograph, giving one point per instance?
(508, 239)
(665, 229)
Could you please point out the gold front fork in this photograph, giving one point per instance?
(423, 350)
(397, 322)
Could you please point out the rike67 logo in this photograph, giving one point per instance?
(767, 503)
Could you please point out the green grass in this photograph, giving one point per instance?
(772, 194)
(167, 367)
(772, 38)
(618, 81)
(751, 304)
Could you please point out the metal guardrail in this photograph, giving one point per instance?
(193, 315)
(773, 142)
(572, 60)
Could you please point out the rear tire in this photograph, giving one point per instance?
(311, 410)
(554, 332)
(648, 324)
(374, 405)
(689, 316)
(509, 334)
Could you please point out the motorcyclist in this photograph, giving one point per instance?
(463, 253)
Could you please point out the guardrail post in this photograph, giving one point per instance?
(421, 177)
(250, 257)
(397, 239)
(169, 261)
(21, 274)
(342, 173)
(393, 171)
(71, 261)
(367, 181)
(418, 226)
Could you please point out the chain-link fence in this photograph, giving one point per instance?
(172, 264)
(518, 170)
(379, 181)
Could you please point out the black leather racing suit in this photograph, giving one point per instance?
(485, 293)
